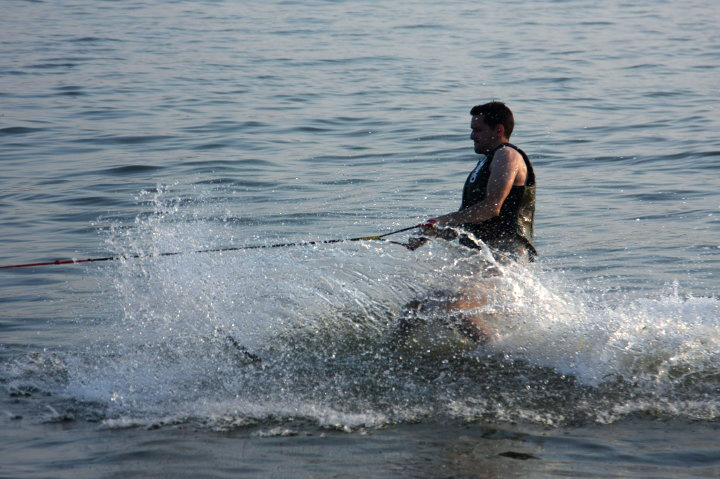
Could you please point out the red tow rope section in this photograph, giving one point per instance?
(238, 248)
(58, 261)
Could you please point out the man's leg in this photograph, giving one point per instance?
(455, 310)
(463, 312)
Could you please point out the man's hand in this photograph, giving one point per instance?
(429, 228)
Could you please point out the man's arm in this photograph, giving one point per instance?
(506, 169)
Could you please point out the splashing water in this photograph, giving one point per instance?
(319, 317)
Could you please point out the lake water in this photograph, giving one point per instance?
(138, 128)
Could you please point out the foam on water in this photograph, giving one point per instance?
(171, 345)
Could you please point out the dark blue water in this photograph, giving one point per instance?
(141, 128)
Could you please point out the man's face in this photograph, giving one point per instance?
(484, 138)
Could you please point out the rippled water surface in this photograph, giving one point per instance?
(131, 130)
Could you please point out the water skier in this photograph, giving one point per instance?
(498, 207)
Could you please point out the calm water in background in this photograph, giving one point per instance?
(147, 127)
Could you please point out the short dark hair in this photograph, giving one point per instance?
(495, 113)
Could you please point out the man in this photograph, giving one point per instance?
(498, 201)
(498, 207)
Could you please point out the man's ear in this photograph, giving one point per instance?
(500, 130)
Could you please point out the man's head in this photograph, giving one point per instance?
(492, 124)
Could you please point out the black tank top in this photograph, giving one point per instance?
(518, 210)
